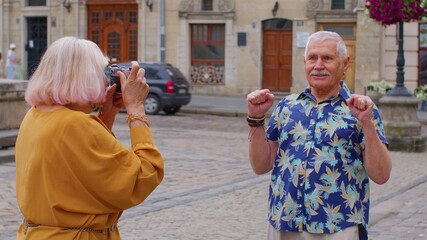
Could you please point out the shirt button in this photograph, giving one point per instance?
(301, 184)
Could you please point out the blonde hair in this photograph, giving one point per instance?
(70, 71)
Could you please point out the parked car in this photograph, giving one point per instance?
(169, 89)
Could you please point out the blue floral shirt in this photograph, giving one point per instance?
(318, 181)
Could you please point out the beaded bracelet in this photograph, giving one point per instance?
(137, 117)
(255, 122)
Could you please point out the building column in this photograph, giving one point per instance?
(368, 50)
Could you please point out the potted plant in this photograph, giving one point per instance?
(421, 93)
(376, 90)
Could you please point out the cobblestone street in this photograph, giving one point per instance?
(210, 192)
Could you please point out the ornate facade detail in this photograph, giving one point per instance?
(193, 9)
(225, 5)
(314, 5)
(186, 6)
(323, 9)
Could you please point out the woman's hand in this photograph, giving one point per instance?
(112, 104)
(113, 101)
(134, 89)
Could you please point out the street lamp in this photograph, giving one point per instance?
(400, 89)
(275, 8)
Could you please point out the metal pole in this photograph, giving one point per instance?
(400, 89)
(162, 31)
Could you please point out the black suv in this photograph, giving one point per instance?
(169, 89)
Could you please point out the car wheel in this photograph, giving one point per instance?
(171, 110)
(152, 104)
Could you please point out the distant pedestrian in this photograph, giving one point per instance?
(74, 179)
(11, 61)
(322, 146)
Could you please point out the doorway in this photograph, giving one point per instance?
(277, 55)
(114, 27)
(36, 42)
(348, 32)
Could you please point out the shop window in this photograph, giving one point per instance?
(207, 53)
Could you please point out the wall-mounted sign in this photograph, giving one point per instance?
(302, 38)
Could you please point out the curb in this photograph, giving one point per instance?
(222, 112)
(225, 113)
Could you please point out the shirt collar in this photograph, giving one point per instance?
(344, 92)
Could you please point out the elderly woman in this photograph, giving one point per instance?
(73, 177)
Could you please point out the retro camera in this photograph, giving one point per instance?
(114, 76)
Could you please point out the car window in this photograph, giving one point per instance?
(177, 75)
(151, 73)
(174, 72)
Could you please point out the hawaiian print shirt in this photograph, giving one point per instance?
(318, 181)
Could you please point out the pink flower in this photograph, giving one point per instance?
(389, 12)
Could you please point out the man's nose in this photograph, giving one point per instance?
(318, 64)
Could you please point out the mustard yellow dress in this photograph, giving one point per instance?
(74, 178)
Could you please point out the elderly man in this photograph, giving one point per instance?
(322, 146)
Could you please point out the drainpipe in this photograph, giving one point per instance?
(77, 19)
(162, 31)
(1, 33)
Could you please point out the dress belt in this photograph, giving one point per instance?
(102, 231)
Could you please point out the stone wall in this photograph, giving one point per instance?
(12, 103)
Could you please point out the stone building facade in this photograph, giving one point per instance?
(224, 47)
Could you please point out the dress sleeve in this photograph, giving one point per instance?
(107, 175)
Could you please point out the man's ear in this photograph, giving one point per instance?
(346, 63)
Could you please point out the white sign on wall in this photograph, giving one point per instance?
(302, 38)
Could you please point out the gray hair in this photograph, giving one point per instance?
(70, 71)
(326, 35)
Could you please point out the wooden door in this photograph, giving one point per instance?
(114, 42)
(113, 26)
(351, 71)
(277, 60)
(348, 32)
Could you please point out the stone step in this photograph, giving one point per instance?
(8, 138)
(7, 155)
